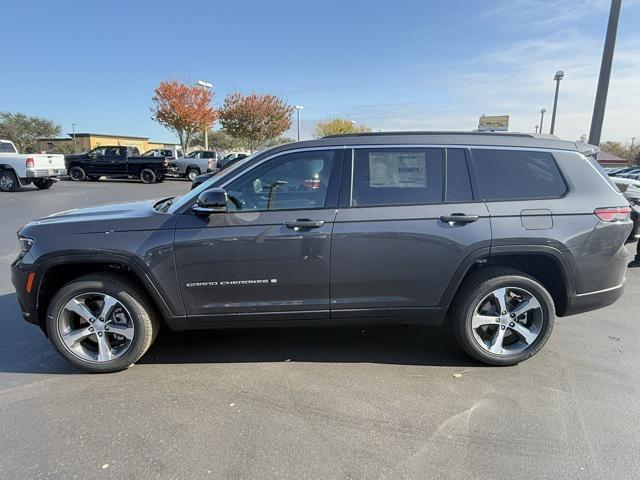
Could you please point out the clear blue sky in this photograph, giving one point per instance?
(392, 65)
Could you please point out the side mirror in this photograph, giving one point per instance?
(211, 201)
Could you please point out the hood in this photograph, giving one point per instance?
(116, 217)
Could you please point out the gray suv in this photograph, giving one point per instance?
(493, 234)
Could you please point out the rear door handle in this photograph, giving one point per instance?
(304, 223)
(459, 218)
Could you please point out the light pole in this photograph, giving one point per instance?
(558, 76)
(542, 112)
(205, 86)
(537, 128)
(73, 134)
(633, 139)
(298, 108)
(605, 73)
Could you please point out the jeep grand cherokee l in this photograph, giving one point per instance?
(494, 234)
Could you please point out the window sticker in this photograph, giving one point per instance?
(397, 170)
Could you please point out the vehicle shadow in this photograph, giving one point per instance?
(385, 344)
(30, 351)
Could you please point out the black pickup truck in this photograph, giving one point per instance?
(116, 161)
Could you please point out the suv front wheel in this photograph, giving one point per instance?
(502, 316)
(101, 323)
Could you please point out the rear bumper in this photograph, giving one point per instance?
(584, 302)
(45, 173)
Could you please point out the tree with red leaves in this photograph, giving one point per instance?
(255, 119)
(183, 109)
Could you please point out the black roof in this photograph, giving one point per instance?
(506, 139)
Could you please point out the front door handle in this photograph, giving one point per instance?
(304, 223)
(459, 218)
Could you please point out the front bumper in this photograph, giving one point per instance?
(46, 173)
(28, 301)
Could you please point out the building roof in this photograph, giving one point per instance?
(88, 134)
(608, 157)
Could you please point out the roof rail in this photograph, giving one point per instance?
(413, 132)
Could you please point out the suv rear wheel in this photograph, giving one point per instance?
(101, 323)
(502, 316)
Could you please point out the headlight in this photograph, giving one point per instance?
(25, 244)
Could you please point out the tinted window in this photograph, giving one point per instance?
(458, 186)
(6, 147)
(291, 181)
(397, 176)
(514, 174)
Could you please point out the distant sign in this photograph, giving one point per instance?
(493, 123)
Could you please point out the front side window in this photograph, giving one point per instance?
(517, 174)
(98, 152)
(292, 181)
(397, 176)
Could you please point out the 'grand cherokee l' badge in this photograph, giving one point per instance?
(232, 283)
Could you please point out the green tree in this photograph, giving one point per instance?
(336, 126)
(616, 148)
(219, 140)
(25, 130)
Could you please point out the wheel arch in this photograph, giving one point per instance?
(546, 264)
(57, 271)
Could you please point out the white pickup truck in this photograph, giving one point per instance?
(23, 169)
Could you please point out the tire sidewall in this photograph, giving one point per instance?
(83, 175)
(15, 184)
(190, 173)
(134, 307)
(464, 330)
(147, 171)
(43, 183)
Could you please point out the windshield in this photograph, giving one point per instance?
(218, 178)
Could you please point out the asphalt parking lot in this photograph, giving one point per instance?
(382, 402)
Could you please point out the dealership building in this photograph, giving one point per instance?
(88, 141)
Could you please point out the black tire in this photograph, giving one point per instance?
(191, 174)
(43, 183)
(93, 178)
(77, 174)
(147, 175)
(476, 288)
(144, 318)
(9, 181)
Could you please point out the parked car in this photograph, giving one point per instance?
(23, 169)
(631, 190)
(116, 161)
(193, 164)
(495, 234)
(161, 152)
(222, 165)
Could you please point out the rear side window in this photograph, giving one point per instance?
(517, 174)
(397, 176)
(458, 186)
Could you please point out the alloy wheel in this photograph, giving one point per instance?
(96, 327)
(6, 182)
(507, 321)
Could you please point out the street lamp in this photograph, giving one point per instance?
(537, 126)
(73, 134)
(205, 86)
(633, 139)
(298, 108)
(558, 76)
(542, 112)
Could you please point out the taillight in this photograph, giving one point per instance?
(165, 162)
(29, 163)
(210, 164)
(613, 214)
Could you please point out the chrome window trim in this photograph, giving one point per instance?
(186, 201)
